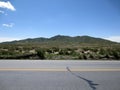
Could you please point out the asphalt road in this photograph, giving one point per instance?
(59, 75)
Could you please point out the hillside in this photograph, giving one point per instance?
(61, 47)
(60, 39)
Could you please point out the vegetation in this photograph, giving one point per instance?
(61, 47)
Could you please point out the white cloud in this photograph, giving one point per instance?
(2, 12)
(7, 5)
(114, 38)
(8, 25)
(5, 39)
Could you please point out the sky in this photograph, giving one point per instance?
(21, 19)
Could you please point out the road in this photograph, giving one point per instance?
(59, 75)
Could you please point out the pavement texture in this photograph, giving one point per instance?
(59, 75)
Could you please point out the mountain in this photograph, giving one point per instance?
(61, 40)
(80, 39)
(61, 47)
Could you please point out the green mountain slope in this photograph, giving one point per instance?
(64, 39)
(61, 47)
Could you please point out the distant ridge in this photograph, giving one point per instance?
(64, 40)
(61, 47)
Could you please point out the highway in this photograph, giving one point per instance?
(59, 75)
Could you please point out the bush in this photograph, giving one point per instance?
(41, 54)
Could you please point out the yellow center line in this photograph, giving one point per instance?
(59, 69)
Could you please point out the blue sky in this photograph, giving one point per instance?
(20, 19)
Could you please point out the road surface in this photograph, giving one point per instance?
(59, 75)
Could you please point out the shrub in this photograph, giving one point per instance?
(41, 54)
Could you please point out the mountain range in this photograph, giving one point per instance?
(60, 47)
(61, 39)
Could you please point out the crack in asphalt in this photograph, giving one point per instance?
(91, 84)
